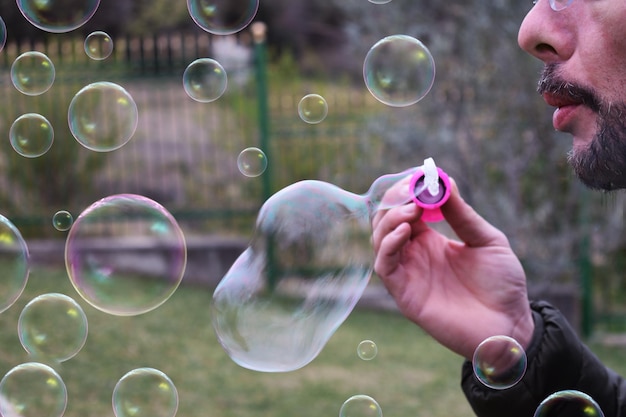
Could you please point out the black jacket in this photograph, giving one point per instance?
(557, 360)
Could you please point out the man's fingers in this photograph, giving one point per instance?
(469, 226)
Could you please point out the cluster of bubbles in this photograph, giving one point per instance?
(500, 363)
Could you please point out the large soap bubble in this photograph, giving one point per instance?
(32, 73)
(103, 116)
(32, 390)
(399, 70)
(13, 263)
(222, 17)
(570, 403)
(58, 16)
(307, 266)
(52, 327)
(125, 255)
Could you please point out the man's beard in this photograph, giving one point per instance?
(602, 165)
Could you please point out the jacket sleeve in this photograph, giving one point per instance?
(557, 360)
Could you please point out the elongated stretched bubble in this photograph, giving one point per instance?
(306, 267)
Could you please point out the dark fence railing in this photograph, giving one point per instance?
(183, 153)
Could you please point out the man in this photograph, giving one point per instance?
(462, 292)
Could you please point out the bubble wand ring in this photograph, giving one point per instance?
(421, 194)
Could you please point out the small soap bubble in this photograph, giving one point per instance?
(98, 45)
(3, 34)
(222, 17)
(569, 403)
(399, 70)
(58, 16)
(313, 108)
(252, 162)
(360, 406)
(103, 116)
(13, 264)
(32, 73)
(367, 350)
(380, 1)
(499, 362)
(62, 220)
(32, 390)
(52, 327)
(31, 135)
(558, 5)
(125, 255)
(205, 80)
(145, 392)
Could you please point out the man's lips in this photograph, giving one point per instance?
(565, 112)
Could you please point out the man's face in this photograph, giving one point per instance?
(584, 49)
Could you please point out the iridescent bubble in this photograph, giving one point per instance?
(145, 392)
(569, 403)
(32, 390)
(313, 108)
(3, 34)
(31, 135)
(399, 70)
(205, 80)
(222, 17)
(52, 327)
(62, 220)
(103, 116)
(125, 255)
(98, 45)
(499, 362)
(367, 350)
(32, 73)
(558, 5)
(360, 406)
(252, 162)
(379, 1)
(58, 16)
(13, 264)
(308, 263)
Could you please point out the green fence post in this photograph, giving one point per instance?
(259, 31)
(585, 269)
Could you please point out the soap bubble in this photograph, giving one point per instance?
(308, 263)
(399, 70)
(313, 108)
(205, 80)
(145, 392)
(569, 403)
(62, 220)
(252, 162)
(558, 5)
(98, 45)
(125, 255)
(58, 16)
(367, 350)
(13, 264)
(32, 390)
(3, 33)
(31, 135)
(380, 1)
(222, 17)
(103, 116)
(360, 406)
(32, 73)
(499, 362)
(53, 327)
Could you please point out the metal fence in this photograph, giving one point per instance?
(183, 153)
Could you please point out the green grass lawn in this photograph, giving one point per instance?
(410, 376)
